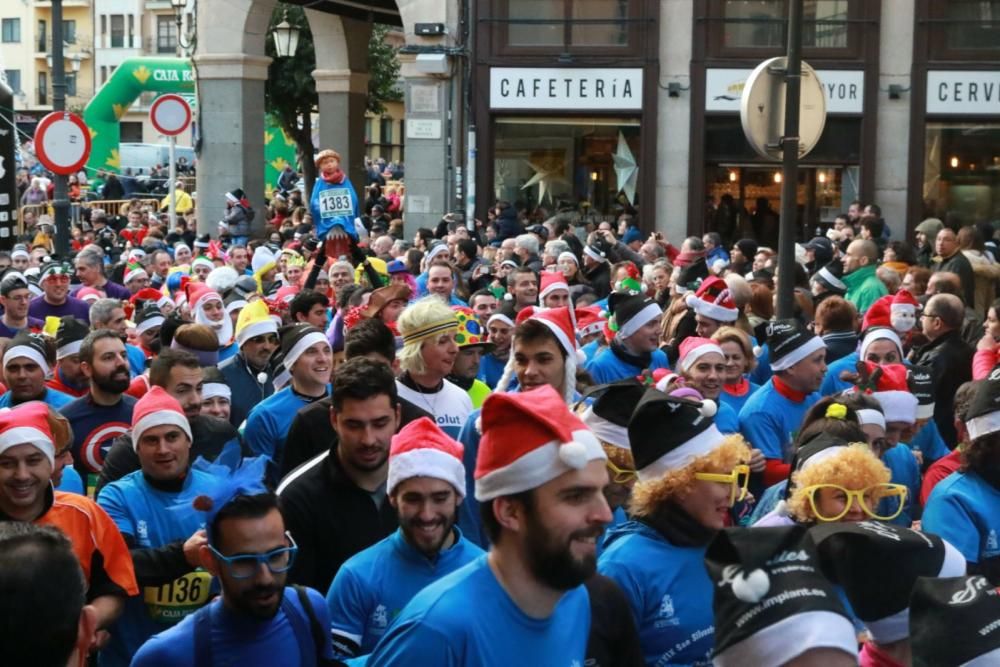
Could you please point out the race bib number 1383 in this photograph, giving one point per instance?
(335, 202)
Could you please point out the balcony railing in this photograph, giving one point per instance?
(80, 44)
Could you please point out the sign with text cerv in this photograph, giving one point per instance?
(606, 88)
(958, 92)
(844, 89)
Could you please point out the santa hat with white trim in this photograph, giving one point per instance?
(693, 348)
(254, 320)
(28, 424)
(667, 433)
(879, 333)
(877, 565)
(30, 346)
(530, 438)
(69, 336)
(953, 622)
(630, 311)
(921, 382)
(772, 603)
(984, 410)
(133, 271)
(790, 342)
(713, 300)
(422, 449)
(552, 282)
(157, 408)
(199, 294)
(892, 391)
(589, 321)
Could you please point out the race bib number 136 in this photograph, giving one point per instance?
(335, 202)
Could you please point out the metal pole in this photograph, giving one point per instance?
(173, 179)
(60, 198)
(790, 164)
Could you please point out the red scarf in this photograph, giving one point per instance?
(786, 391)
(740, 388)
(336, 179)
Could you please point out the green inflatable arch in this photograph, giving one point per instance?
(162, 75)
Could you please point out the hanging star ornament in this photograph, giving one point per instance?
(626, 169)
(547, 174)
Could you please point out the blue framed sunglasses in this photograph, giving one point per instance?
(245, 566)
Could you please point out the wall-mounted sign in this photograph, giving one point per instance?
(844, 89)
(423, 128)
(963, 93)
(566, 88)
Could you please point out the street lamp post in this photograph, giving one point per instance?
(790, 165)
(60, 199)
(286, 38)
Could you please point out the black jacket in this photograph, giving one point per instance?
(247, 391)
(330, 518)
(311, 432)
(209, 436)
(950, 361)
(599, 279)
(959, 265)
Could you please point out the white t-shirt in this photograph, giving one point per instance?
(450, 405)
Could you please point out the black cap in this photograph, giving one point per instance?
(609, 415)
(12, 280)
(982, 418)
(790, 342)
(668, 432)
(953, 621)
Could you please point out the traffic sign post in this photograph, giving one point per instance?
(62, 143)
(171, 115)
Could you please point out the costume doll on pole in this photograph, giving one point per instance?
(334, 206)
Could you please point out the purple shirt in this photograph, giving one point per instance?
(112, 289)
(41, 309)
(34, 324)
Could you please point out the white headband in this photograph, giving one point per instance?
(304, 344)
(28, 353)
(68, 349)
(212, 390)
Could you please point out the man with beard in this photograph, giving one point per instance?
(110, 314)
(336, 504)
(258, 620)
(67, 377)
(164, 539)
(208, 308)
(105, 412)
(540, 478)
(426, 486)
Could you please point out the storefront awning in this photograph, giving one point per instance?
(379, 11)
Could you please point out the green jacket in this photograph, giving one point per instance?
(864, 288)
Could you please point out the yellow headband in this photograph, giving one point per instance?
(429, 331)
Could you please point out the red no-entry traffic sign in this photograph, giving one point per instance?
(170, 114)
(62, 142)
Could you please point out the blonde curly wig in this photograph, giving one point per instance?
(856, 467)
(648, 496)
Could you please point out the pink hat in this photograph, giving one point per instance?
(421, 449)
(694, 347)
(530, 438)
(157, 408)
(28, 424)
(550, 283)
(713, 300)
(88, 294)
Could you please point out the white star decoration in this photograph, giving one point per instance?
(547, 173)
(626, 169)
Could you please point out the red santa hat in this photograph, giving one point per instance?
(903, 311)
(892, 390)
(878, 314)
(562, 325)
(713, 300)
(28, 424)
(589, 321)
(693, 348)
(530, 438)
(133, 271)
(157, 408)
(421, 449)
(552, 282)
(198, 294)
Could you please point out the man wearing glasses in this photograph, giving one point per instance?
(55, 300)
(247, 372)
(258, 620)
(164, 541)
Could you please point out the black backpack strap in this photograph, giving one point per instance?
(319, 633)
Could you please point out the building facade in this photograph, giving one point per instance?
(911, 93)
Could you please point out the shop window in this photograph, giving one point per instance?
(547, 161)
(565, 26)
(751, 27)
(963, 28)
(962, 171)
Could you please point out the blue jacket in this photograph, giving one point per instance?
(334, 205)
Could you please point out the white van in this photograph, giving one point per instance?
(147, 156)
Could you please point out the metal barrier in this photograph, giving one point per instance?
(112, 207)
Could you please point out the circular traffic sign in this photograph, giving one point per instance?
(170, 114)
(62, 142)
(762, 108)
